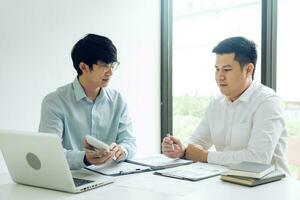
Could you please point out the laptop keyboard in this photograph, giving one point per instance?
(79, 182)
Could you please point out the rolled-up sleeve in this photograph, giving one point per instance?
(125, 136)
(202, 135)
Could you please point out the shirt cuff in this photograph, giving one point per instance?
(75, 159)
(212, 157)
(125, 152)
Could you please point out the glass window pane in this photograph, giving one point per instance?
(197, 27)
(288, 41)
(287, 52)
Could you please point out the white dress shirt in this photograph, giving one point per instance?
(251, 128)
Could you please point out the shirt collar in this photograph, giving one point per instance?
(80, 94)
(78, 90)
(246, 94)
(104, 94)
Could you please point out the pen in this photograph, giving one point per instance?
(168, 135)
(128, 171)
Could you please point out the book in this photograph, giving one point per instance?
(251, 182)
(250, 169)
(113, 168)
(159, 161)
(193, 172)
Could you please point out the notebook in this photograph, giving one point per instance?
(159, 161)
(247, 181)
(41, 155)
(114, 168)
(250, 169)
(193, 172)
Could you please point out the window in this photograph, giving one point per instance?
(288, 41)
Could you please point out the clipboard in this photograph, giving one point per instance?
(114, 168)
(184, 177)
(159, 161)
(193, 172)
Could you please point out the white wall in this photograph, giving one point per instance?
(36, 38)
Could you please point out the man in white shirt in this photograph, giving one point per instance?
(245, 123)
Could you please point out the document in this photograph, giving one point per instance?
(159, 161)
(193, 172)
(113, 168)
(158, 184)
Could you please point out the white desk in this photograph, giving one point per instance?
(146, 186)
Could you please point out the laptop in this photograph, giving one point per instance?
(38, 159)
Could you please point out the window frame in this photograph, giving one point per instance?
(166, 68)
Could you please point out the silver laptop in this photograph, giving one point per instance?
(38, 159)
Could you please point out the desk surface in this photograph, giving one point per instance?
(148, 186)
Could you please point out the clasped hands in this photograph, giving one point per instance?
(173, 148)
(95, 156)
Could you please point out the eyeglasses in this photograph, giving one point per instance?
(106, 67)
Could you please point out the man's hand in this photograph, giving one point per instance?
(118, 152)
(172, 147)
(196, 153)
(96, 156)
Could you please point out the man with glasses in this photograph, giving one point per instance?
(245, 123)
(87, 107)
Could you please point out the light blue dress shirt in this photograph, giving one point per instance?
(69, 113)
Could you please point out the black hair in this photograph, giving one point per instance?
(92, 49)
(244, 50)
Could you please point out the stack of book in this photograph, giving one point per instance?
(252, 174)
